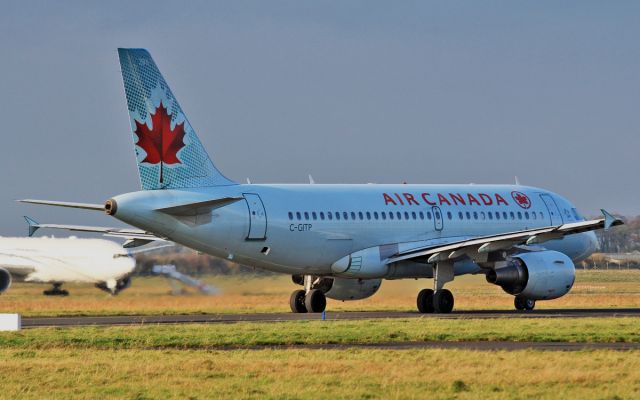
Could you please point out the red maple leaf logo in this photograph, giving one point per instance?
(522, 199)
(161, 143)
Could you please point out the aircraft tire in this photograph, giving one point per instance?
(315, 301)
(425, 301)
(524, 304)
(296, 301)
(443, 301)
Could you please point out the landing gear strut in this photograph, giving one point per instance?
(439, 300)
(56, 291)
(523, 304)
(308, 300)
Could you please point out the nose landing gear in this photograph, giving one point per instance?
(523, 304)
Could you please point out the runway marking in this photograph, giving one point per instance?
(34, 322)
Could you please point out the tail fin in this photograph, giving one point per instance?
(168, 151)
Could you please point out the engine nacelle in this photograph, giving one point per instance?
(365, 264)
(5, 280)
(539, 275)
(353, 289)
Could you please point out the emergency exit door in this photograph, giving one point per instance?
(437, 218)
(257, 217)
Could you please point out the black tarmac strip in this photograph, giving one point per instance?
(34, 322)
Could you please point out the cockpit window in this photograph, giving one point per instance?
(576, 214)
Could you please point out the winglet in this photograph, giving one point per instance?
(610, 220)
(33, 225)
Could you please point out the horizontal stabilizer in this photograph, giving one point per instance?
(199, 207)
(85, 206)
(133, 237)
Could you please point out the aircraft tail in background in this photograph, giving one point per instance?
(168, 151)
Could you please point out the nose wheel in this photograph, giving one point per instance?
(523, 304)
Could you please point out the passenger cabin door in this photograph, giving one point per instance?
(437, 218)
(552, 207)
(257, 217)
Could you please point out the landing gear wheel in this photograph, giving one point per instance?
(296, 301)
(524, 304)
(443, 301)
(315, 301)
(425, 301)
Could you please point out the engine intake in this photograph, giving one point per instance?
(5, 280)
(540, 275)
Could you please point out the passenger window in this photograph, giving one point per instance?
(353, 215)
(406, 215)
(375, 214)
(513, 216)
(482, 216)
(360, 215)
(497, 214)
(413, 214)
(541, 215)
(460, 215)
(504, 215)
(526, 215)
(345, 215)
(337, 215)
(314, 215)
(519, 215)
(329, 215)
(468, 214)
(490, 214)
(290, 215)
(421, 214)
(436, 214)
(390, 215)
(399, 215)
(306, 215)
(475, 215)
(298, 216)
(384, 215)
(322, 215)
(449, 216)
(429, 215)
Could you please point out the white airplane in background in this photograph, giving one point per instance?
(62, 260)
(339, 241)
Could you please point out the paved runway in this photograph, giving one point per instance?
(32, 322)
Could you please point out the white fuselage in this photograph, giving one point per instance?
(304, 229)
(59, 260)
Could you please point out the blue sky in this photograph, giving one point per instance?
(349, 91)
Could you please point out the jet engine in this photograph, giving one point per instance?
(5, 280)
(353, 289)
(540, 275)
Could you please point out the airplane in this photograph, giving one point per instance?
(61, 260)
(340, 241)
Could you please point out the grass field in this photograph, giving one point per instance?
(152, 295)
(199, 361)
(318, 374)
(202, 361)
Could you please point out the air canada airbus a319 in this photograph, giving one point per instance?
(339, 241)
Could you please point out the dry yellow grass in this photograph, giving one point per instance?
(320, 374)
(152, 295)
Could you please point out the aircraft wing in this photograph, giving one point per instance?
(134, 237)
(503, 241)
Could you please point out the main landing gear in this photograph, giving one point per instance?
(523, 304)
(438, 300)
(308, 300)
(56, 291)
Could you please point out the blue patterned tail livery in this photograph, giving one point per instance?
(168, 151)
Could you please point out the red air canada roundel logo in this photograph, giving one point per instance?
(161, 143)
(522, 199)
